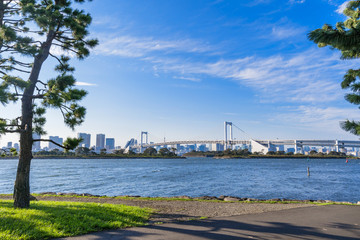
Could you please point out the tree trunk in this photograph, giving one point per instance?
(22, 183)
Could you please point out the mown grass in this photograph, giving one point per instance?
(46, 219)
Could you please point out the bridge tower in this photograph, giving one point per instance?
(142, 140)
(226, 141)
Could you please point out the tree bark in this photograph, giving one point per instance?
(22, 183)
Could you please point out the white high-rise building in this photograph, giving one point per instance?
(100, 141)
(86, 139)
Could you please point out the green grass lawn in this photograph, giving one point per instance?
(45, 220)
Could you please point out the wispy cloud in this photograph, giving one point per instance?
(85, 84)
(193, 79)
(326, 119)
(129, 46)
(342, 7)
(310, 76)
(284, 29)
(296, 1)
(288, 31)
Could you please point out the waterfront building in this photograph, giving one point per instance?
(191, 148)
(280, 148)
(9, 144)
(271, 147)
(202, 148)
(290, 150)
(306, 148)
(176, 146)
(217, 147)
(100, 141)
(16, 146)
(110, 143)
(86, 139)
(36, 145)
(259, 148)
(56, 139)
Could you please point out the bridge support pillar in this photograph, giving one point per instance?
(142, 140)
(336, 145)
(226, 141)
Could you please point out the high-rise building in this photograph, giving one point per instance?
(16, 146)
(280, 148)
(9, 144)
(110, 143)
(86, 139)
(217, 147)
(36, 145)
(100, 141)
(56, 139)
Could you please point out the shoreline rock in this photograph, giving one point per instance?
(220, 198)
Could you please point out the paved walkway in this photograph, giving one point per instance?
(316, 222)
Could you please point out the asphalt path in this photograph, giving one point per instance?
(316, 222)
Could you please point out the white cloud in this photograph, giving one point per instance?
(311, 76)
(326, 119)
(284, 32)
(342, 7)
(296, 1)
(128, 46)
(284, 28)
(192, 79)
(85, 84)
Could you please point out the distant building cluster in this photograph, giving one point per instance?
(103, 144)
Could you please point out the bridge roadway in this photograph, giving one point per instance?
(299, 143)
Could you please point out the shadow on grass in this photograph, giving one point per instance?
(48, 219)
(323, 222)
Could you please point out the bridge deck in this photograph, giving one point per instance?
(324, 143)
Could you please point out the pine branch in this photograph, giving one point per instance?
(17, 69)
(69, 49)
(38, 96)
(49, 140)
(58, 59)
(14, 131)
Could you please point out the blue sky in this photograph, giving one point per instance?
(178, 69)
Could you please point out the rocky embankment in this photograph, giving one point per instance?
(183, 208)
(208, 198)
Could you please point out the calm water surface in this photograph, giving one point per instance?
(331, 179)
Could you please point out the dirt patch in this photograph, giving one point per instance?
(174, 211)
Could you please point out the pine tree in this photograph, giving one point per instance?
(29, 30)
(345, 36)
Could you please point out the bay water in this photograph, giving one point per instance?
(330, 179)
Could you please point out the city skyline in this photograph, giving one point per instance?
(179, 70)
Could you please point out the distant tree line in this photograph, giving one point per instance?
(90, 152)
(247, 153)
